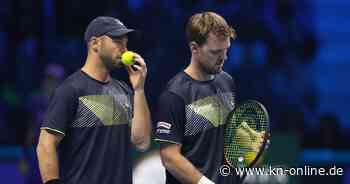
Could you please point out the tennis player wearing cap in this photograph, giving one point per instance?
(85, 137)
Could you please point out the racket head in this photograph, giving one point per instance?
(246, 134)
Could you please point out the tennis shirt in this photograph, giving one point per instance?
(95, 119)
(192, 113)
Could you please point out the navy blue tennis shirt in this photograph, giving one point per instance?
(95, 119)
(193, 113)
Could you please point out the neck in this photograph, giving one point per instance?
(196, 72)
(95, 69)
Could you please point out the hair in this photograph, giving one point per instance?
(201, 24)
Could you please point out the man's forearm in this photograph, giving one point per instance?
(141, 125)
(48, 162)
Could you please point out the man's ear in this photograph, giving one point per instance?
(194, 47)
(95, 44)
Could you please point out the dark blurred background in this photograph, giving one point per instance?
(290, 55)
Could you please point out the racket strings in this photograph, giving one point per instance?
(243, 133)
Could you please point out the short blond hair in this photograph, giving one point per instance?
(201, 24)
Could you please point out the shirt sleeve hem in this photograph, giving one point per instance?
(52, 129)
(167, 141)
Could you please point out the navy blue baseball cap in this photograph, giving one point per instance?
(108, 26)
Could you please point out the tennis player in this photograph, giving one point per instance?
(192, 109)
(85, 137)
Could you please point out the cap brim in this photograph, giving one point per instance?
(120, 32)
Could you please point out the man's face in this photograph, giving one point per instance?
(213, 53)
(111, 50)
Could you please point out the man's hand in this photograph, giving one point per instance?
(137, 73)
(249, 138)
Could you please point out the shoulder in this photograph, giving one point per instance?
(179, 84)
(169, 101)
(76, 79)
(123, 85)
(71, 84)
(68, 84)
(225, 78)
(170, 96)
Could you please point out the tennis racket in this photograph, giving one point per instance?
(246, 134)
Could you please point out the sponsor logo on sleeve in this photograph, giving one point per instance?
(163, 127)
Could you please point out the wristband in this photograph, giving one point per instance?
(54, 181)
(205, 180)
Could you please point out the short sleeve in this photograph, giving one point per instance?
(170, 118)
(61, 109)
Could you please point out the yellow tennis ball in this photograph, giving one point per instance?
(128, 58)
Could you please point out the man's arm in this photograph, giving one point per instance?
(47, 154)
(180, 167)
(141, 123)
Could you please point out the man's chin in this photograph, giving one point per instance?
(217, 71)
(213, 70)
(112, 68)
(118, 64)
(220, 69)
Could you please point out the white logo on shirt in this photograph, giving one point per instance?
(165, 125)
